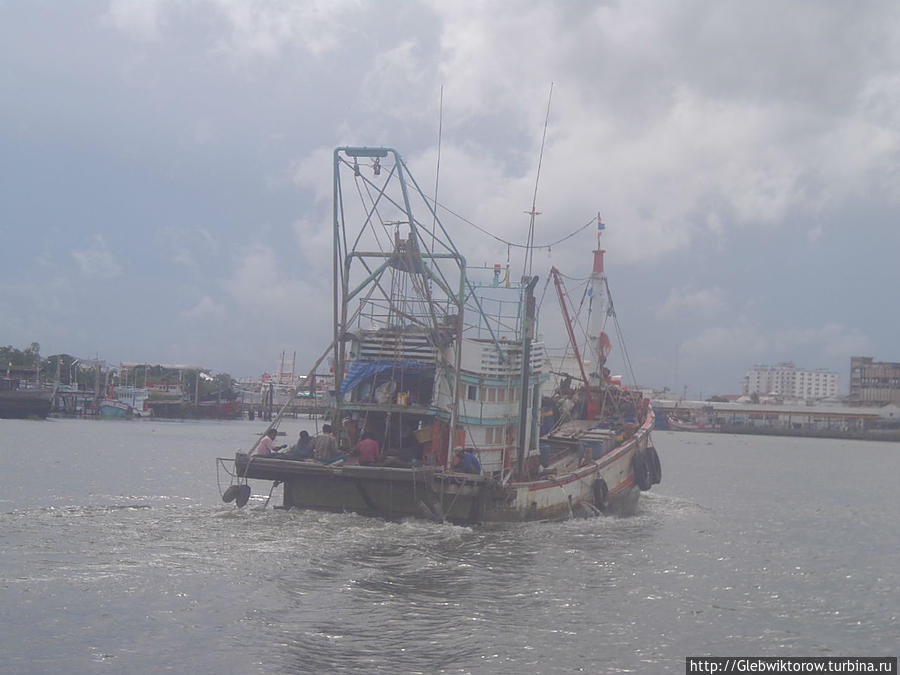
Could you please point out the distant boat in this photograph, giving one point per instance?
(693, 420)
(111, 407)
(124, 402)
(681, 425)
(16, 403)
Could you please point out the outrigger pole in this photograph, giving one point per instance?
(560, 292)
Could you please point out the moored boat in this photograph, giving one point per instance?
(18, 403)
(112, 407)
(433, 363)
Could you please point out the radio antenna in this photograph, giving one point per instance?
(529, 249)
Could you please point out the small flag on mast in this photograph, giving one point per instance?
(600, 224)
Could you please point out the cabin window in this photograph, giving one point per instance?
(501, 395)
(472, 392)
(492, 394)
(512, 434)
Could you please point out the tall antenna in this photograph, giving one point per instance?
(529, 250)
(437, 172)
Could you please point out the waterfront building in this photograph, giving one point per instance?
(874, 382)
(789, 382)
(813, 419)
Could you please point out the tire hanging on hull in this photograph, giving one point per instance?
(641, 468)
(654, 465)
(601, 494)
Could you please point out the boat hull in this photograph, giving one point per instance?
(115, 409)
(22, 404)
(430, 492)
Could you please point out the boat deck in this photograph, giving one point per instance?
(268, 468)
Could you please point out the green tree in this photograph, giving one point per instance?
(13, 356)
(33, 354)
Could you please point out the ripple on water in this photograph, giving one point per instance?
(147, 569)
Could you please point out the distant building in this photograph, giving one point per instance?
(788, 381)
(874, 382)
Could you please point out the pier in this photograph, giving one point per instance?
(818, 421)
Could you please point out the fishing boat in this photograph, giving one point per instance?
(434, 358)
(124, 402)
(114, 408)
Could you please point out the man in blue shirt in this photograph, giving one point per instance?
(303, 449)
(466, 462)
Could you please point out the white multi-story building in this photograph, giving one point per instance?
(788, 381)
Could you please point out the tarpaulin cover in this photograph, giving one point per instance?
(361, 370)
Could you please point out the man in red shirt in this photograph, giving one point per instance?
(368, 449)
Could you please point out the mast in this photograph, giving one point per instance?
(598, 342)
(339, 292)
(524, 398)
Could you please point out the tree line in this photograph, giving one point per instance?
(67, 369)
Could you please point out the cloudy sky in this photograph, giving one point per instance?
(165, 177)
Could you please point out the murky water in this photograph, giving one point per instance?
(119, 556)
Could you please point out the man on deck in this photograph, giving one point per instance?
(267, 447)
(466, 462)
(368, 449)
(325, 447)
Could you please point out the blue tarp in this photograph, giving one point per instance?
(361, 370)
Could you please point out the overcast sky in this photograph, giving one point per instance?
(165, 169)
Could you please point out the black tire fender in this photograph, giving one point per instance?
(655, 466)
(601, 493)
(641, 469)
(243, 496)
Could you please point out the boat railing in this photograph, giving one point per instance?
(385, 313)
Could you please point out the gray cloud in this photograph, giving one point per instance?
(97, 259)
(744, 155)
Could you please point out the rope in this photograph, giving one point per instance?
(620, 336)
(511, 244)
(221, 463)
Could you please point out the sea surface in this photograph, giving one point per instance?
(117, 555)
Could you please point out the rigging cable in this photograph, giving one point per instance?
(611, 312)
(512, 244)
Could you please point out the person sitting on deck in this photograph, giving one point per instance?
(325, 447)
(368, 449)
(267, 447)
(303, 449)
(466, 462)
